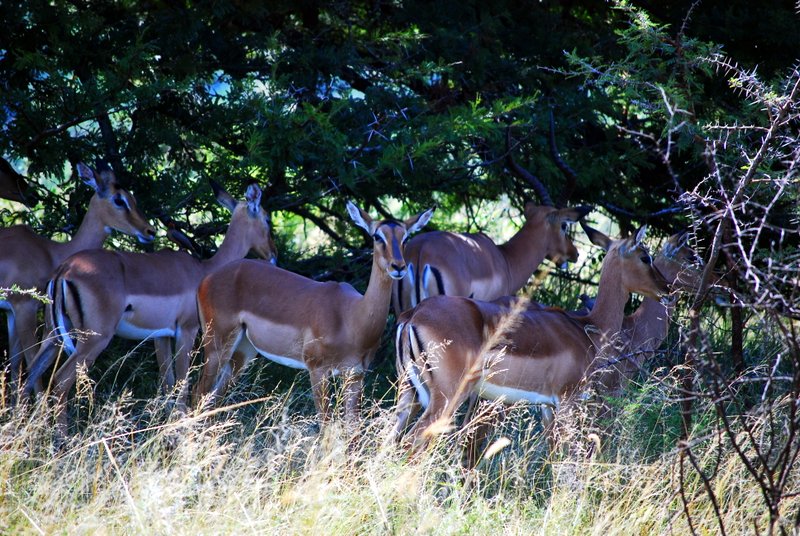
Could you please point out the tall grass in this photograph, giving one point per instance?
(263, 466)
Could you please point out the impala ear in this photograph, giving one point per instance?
(640, 235)
(680, 238)
(253, 197)
(361, 218)
(415, 223)
(223, 198)
(596, 237)
(574, 214)
(629, 244)
(99, 183)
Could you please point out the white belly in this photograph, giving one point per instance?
(126, 330)
(511, 395)
(279, 359)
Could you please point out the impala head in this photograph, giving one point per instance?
(116, 206)
(679, 263)
(556, 223)
(249, 219)
(633, 262)
(389, 237)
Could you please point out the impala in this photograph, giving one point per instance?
(325, 327)
(140, 296)
(541, 355)
(645, 329)
(28, 260)
(472, 265)
(461, 264)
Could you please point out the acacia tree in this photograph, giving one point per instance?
(745, 207)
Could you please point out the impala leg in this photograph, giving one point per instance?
(421, 433)
(48, 353)
(353, 387)
(184, 343)
(166, 371)
(23, 343)
(548, 426)
(407, 408)
(482, 426)
(216, 369)
(319, 389)
(85, 355)
(14, 347)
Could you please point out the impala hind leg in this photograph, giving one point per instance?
(85, 355)
(407, 408)
(479, 425)
(22, 337)
(217, 369)
(166, 369)
(431, 423)
(184, 344)
(15, 353)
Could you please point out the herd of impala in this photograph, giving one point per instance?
(461, 335)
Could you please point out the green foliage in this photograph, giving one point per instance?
(403, 105)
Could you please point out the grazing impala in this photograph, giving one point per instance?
(645, 329)
(28, 260)
(327, 328)
(540, 355)
(139, 296)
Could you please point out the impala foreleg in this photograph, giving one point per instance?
(353, 387)
(319, 390)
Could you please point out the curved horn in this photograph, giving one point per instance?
(526, 175)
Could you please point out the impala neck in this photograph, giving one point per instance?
(609, 308)
(372, 310)
(652, 317)
(521, 256)
(651, 320)
(91, 233)
(234, 247)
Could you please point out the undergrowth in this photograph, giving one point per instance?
(264, 466)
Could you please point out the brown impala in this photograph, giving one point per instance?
(472, 265)
(449, 348)
(327, 328)
(140, 296)
(28, 260)
(645, 329)
(460, 264)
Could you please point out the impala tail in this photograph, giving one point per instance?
(411, 366)
(59, 290)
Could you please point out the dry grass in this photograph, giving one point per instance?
(261, 468)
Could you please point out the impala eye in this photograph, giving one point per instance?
(646, 259)
(564, 226)
(379, 238)
(120, 202)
